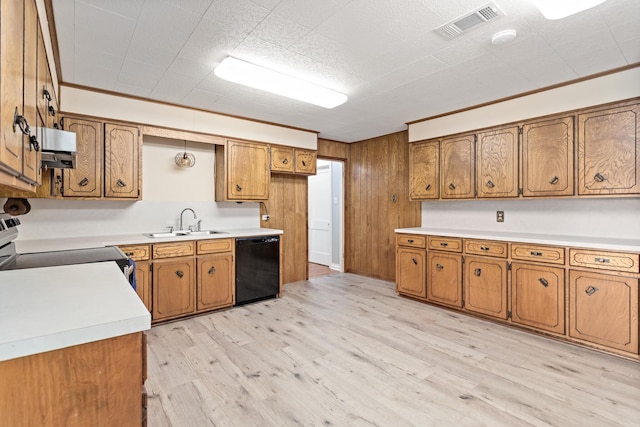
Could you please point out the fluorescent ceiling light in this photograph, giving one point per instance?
(558, 9)
(244, 73)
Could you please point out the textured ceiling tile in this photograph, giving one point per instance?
(139, 74)
(585, 63)
(90, 75)
(201, 99)
(307, 13)
(237, 13)
(462, 50)
(190, 68)
(128, 8)
(452, 9)
(279, 30)
(199, 7)
(173, 87)
(211, 42)
(631, 50)
(102, 30)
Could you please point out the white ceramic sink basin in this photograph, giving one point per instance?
(183, 233)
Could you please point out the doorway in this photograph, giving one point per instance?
(326, 221)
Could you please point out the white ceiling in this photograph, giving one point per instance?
(383, 54)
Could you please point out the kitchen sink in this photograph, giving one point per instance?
(205, 232)
(183, 233)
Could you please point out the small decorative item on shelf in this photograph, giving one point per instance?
(184, 159)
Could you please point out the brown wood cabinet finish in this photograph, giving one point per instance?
(538, 297)
(444, 278)
(215, 284)
(332, 149)
(31, 157)
(603, 260)
(173, 249)
(497, 163)
(537, 253)
(242, 171)
(213, 246)
(547, 157)
(306, 162)
(143, 284)
(449, 244)
(86, 179)
(137, 252)
(282, 159)
(411, 240)
(609, 150)
(457, 167)
(173, 288)
(424, 173)
(603, 309)
(122, 161)
(411, 272)
(485, 286)
(486, 247)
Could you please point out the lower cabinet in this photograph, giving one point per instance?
(444, 278)
(537, 296)
(173, 288)
(143, 283)
(603, 309)
(411, 273)
(214, 283)
(485, 286)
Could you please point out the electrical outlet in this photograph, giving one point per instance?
(266, 217)
(500, 216)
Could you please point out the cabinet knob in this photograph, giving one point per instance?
(238, 188)
(304, 163)
(428, 187)
(410, 240)
(439, 267)
(490, 184)
(415, 261)
(285, 161)
(212, 270)
(452, 186)
(543, 281)
(590, 290)
(554, 180)
(121, 183)
(83, 182)
(599, 177)
(477, 272)
(180, 274)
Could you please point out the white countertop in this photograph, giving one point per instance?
(627, 245)
(45, 245)
(44, 309)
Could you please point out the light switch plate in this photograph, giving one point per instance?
(500, 216)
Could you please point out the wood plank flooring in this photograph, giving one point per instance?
(345, 350)
(317, 270)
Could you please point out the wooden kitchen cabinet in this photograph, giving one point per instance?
(140, 254)
(411, 277)
(485, 286)
(497, 163)
(457, 167)
(609, 150)
(86, 179)
(31, 158)
(424, 170)
(444, 278)
(121, 161)
(305, 162)
(215, 285)
(603, 309)
(547, 157)
(538, 296)
(242, 171)
(173, 288)
(282, 159)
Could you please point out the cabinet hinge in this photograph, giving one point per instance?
(463, 259)
(139, 133)
(475, 138)
(508, 315)
(508, 266)
(61, 122)
(520, 192)
(151, 267)
(519, 130)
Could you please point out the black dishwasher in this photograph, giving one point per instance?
(257, 268)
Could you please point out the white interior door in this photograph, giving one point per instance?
(320, 215)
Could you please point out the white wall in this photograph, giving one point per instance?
(166, 190)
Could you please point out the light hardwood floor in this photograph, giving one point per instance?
(316, 270)
(345, 350)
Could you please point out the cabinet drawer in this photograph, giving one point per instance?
(214, 246)
(450, 244)
(538, 253)
(174, 249)
(604, 260)
(486, 247)
(136, 252)
(411, 240)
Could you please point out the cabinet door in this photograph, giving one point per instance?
(31, 166)
(86, 179)
(603, 309)
(497, 163)
(215, 281)
(173, 288)
(547, 158)
(43, 70)
(247, 171)
(444, 278)
(537, 296)
(122, 161)
(143, 283)
(282, 159)
(11, 72)
(457, 167)
(609, 151)
(485, 286)
(424, 168)
(305, 162)
(410, 272)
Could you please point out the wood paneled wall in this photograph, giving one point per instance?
(287, 208)
(328, 149)
(376, 171)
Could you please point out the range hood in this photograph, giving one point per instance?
(58, 148)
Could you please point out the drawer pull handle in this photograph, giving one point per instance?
(536, 253)
(452, 186)
(477, 272)
(410, 240)
(428, 187)
(83, 182)
(415, 261)
(602, 260)
(238, 188)
(444, 244)
(285, 161)
(129, 254)
(121, 183)
(484, 248)
(304, 163)
(439, 267)
(212, 270)
(590, 290)
(180, 274)
(599, 177)
(490, 184)
(543, 281)
(554, 180)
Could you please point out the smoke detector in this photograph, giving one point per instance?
(453, 29)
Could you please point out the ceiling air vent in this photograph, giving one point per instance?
(469, 20)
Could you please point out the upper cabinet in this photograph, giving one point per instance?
(609, 150)
(305, 162)
(424, 173)
(242, 171)
(121, 161)
(86, 179)
(457, 166)
(497, 163)
(547, 157)
(293, 160)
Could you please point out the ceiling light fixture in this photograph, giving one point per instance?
(503, 37)
(245, 73)
(558, 9)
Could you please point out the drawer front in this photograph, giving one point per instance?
(136, 252)
(214, 246)
(411, 240)
(171, 250)
(486, 247)
(449, 244)
(604, 260)
(550, 254)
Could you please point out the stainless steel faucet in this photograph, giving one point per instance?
(182, 213)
